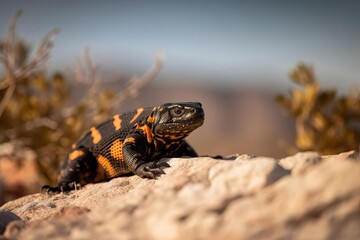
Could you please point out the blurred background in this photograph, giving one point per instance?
(233, 56)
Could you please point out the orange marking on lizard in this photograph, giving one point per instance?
(150, 119)
(129, 140)
(116, 150)
(95, 135)
(109, 170)
(138, 112)
(117, 122)
(174, 137)
(146, 130)
(75, 154)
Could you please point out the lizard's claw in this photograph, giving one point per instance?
(63, 187)
(151, 169)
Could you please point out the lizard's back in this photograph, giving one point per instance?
(118, 126)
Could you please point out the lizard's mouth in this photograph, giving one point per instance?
(184, 126)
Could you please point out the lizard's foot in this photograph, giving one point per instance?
(151, 169)
(61, 187)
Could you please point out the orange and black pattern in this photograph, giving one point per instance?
(131, 142)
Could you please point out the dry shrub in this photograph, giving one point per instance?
(325, 122)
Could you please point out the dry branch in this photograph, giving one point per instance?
(8, 59)
(135, 84)
(87, 73)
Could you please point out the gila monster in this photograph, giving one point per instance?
(131, 142)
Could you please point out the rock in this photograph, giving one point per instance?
(17, 178)
(205, 198)
(352, 155)
(245, 178)
(5, 218)
(321, 204)
(300, 162)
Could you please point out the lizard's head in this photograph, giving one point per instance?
(177, 119)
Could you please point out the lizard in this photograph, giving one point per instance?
(131, 142)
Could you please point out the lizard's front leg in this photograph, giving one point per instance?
(136, 155)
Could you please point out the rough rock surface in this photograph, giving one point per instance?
(18, 173)
(305, 196)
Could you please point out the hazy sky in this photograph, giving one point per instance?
(226, 41)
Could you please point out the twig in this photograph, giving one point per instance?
(41, 122)
(4, 84)
(94, 81)
(8, 59)
(41, 55)
(86, 74)
(136, 83)
(10, 42)
(9, 93)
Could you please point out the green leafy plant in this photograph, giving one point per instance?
(324, 122)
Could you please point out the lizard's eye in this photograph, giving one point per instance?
(177, 112)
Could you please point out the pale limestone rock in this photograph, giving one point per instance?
(244, 177)
(204, 198)
(300, 162)
(319, 205)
